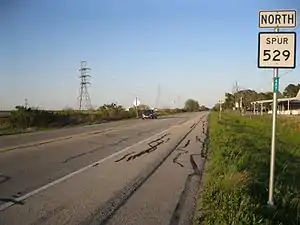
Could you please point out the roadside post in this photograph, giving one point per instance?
(220, 109)
(276, 50)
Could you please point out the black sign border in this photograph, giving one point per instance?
(277, 11)
(279, 67)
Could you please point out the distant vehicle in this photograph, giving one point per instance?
(149, 114)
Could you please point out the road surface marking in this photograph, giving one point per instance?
(70, 175)
(48, 141)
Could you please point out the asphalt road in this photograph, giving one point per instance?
(84, 178)
(8, 142)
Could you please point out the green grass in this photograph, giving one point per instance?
(235, 189)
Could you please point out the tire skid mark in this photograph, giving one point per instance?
(187, 143)
(187, 201)
(95, 150)
(196, 169)
(184, 211)
(176, 158)
(4, 178)
(153, 146)
(194, 124)
(96, 164)
(198, 139)
(97, 132)
(19, 199)
(182, 151)
(106, 211)
(203, 142)
(168, 139)
(123, 157)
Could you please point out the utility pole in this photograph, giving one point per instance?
(26, 103)
(136, 108)
(220, 109)
(241, 105)
(84, 97)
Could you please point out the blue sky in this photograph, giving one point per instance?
(192, 49)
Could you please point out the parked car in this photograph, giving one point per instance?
(149, 114)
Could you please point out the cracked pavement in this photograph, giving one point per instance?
(97, 178)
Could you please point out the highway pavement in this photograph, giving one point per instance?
(10, 142)
(127, 172)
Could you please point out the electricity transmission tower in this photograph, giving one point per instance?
(84, 97)
(236, 87)
(238, 99)
(235, 91)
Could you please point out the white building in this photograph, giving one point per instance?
(286, 106)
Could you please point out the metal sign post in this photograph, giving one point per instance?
(273, 144)
(276, 50)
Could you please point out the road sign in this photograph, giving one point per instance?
(277, 50)
(277, 19)
(276, 85)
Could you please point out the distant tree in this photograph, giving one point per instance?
(111, 106)
(191, 105)
(143, 107)
(249, 96)
(291, 90)
(67, 108)
(229, 102)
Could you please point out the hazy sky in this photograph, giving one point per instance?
(192, 49)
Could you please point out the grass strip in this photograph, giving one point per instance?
(235, 189)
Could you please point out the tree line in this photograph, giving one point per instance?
(24, 118)
(247, 96)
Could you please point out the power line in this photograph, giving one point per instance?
(297, 50)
